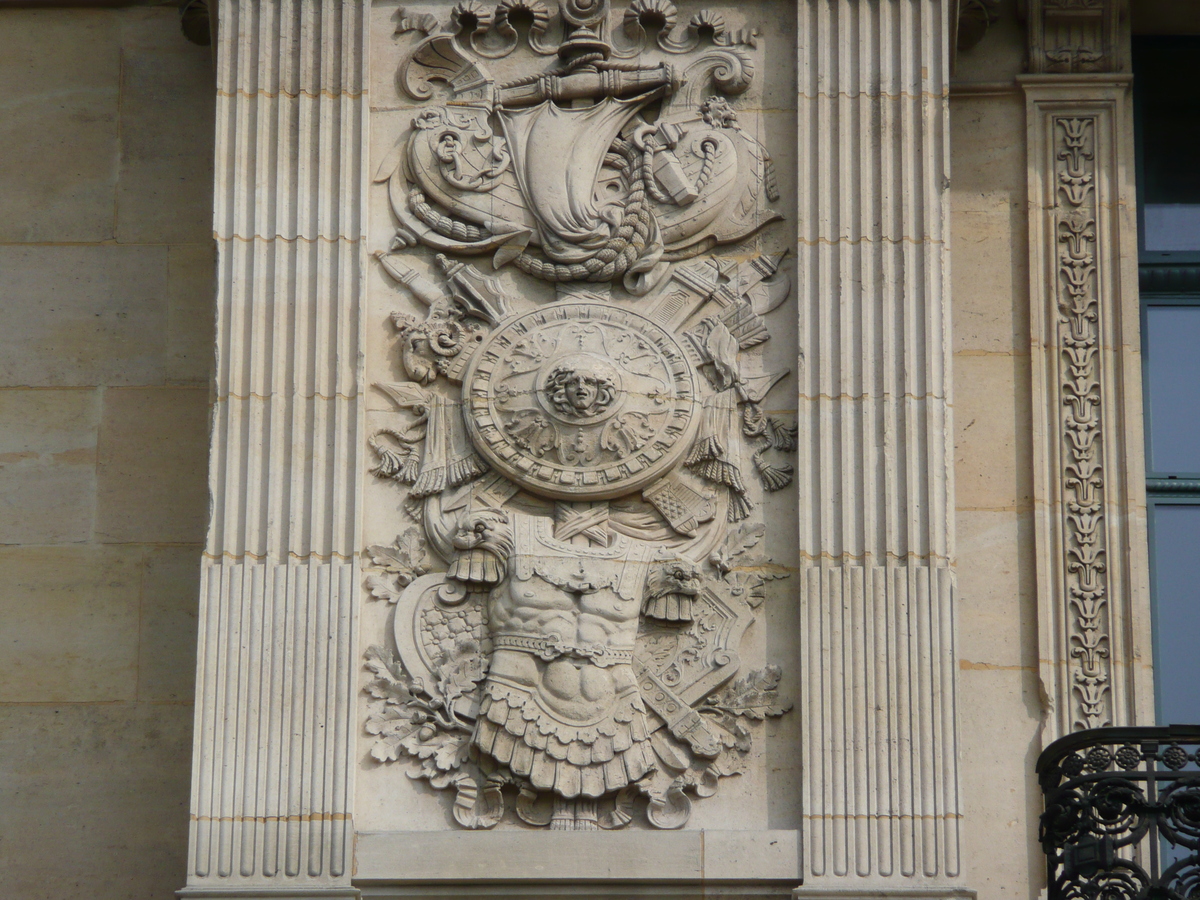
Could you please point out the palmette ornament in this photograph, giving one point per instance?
(577, 465)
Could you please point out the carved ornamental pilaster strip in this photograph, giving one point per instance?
(1084, 538)
(1088, 485)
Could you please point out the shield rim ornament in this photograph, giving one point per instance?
(481, 416)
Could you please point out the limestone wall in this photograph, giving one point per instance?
(106, 337)
(1000, 709)
(106, 350)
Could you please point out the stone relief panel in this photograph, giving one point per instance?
(1084, 544)
(583, 417)
(1075, 36)
(1092, 567)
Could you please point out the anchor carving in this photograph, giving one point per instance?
(581, 470)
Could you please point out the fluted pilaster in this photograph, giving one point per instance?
(876, 466)
(272, 774)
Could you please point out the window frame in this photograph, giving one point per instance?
(1154, 500)
(1167, 278)
(1141, 44)
(1155, 480)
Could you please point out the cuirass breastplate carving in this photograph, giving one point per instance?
(621, 566)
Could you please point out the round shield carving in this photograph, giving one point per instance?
(582, 401)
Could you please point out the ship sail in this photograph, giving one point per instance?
(557, 153)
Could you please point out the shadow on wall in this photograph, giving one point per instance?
(106, 336)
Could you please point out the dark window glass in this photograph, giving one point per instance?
(1168, 103)
(1167, 114)
(1172, 342)
(1176, 562)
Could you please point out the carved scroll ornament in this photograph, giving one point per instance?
(569, 606)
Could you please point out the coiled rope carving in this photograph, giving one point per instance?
(708, 147)
(622, 250)
(443, 224)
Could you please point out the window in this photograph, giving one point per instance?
(1167, 104)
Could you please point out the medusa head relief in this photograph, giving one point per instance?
(579, 392)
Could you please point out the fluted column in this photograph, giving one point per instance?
(272, 783)
(876, 468)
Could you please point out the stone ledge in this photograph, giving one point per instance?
(884, 893)
(272, 892)
(481, 859)
(642, 890)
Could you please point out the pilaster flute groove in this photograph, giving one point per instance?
(880, 770)
(272, 781)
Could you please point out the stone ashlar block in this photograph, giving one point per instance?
(990, 279)
(82, 315)
(992, 419)
(47, 465)
(59, 150)
(70, 623)
(95, 800)
(170, 606)
(167, 109)
(996, 580)
(153, 463)
(191, 312)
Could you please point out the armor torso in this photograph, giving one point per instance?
(561, 702)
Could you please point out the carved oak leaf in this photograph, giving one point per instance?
(733, 551)
(391, 682)
(382, 663)
(437, 778)
(727, 763)
(751, 586)
(461, 675)
(383, 587)
(409, 723)
(453, 753)
(404, 557)
(412, 547)
(744, 537)
(741, 743)
(391, 727)
(443, 751)
(754, 696)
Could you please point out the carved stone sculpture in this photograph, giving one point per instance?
(1073, 36)
(581, 468)
(560, 173)
(587, 400)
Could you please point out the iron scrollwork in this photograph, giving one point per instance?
(1122, 814)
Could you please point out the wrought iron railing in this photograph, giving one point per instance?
(1122, 819)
